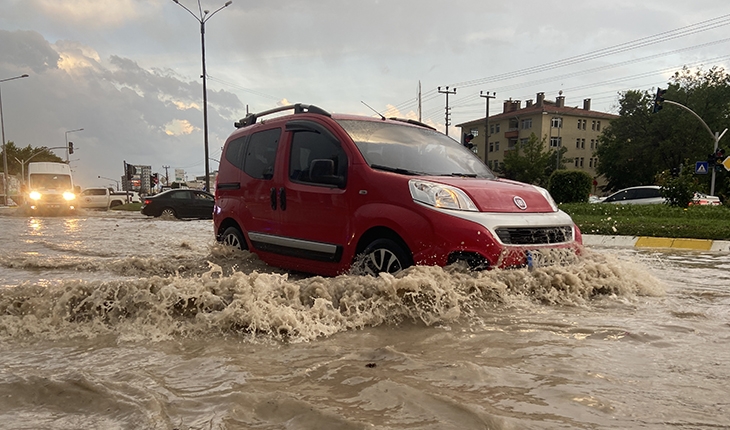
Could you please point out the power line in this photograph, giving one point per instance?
(615, 49)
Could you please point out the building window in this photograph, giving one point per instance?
(598, 125)
(496, 146)
(582, 144)
(581, 124)
(577, 143)
(491, 146)
(555, 142)
(474, 132)
(576, 162)
(581, 161)
(556, 122)
(524, 141)
(526, 123)
(593, 141)
(593, 125)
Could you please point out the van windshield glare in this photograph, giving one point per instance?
(49, 181)
(413, 149)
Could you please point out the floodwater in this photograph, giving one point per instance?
(117, 321)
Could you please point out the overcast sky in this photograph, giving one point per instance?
(128, 71)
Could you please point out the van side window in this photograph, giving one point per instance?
(234, 152)
(308, 146)
(261, 154)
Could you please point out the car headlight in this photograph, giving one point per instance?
(440, 195)
(34, 195)
(69, 195)
(548, 197)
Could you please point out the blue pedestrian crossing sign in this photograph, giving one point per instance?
(701, 167)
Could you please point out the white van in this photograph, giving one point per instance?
(50, 188)
(95, 198)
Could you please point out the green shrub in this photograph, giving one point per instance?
(678, 187)
(570, 186)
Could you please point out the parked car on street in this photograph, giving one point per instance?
(320, 193)
(180, 203)
(95, 198)
(119, 198)
(643, 195)
(701, 199)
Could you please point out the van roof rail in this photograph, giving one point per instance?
(412, 121)
(251, 118)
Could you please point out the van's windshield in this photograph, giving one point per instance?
(49, 181)
(413, 150)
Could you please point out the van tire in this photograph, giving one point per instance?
(233, 237)
(383, 255)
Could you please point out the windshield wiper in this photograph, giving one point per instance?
(463, 175)
(395, 169)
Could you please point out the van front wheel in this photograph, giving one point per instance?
(383, 255)
(233, 237)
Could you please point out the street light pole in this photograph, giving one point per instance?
(5, 152)
(202, 18)
(66, 138)
(716, 136)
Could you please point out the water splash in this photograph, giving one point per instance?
(233, 296)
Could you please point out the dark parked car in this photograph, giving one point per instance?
(180, 203)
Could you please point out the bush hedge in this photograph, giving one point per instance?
(570, 186)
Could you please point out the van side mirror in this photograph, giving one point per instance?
(322, 171)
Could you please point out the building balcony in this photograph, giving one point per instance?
(511, 133)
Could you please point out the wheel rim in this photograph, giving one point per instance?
(168, 213)
(382, 260)
(232, 240)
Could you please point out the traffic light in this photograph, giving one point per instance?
(659, 100)
(155, 179)
(130, 171)
(70, 147)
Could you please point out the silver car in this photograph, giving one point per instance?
(643, 195)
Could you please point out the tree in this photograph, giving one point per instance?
(530, 162)
(25, 154)
(638, 145)
(570, 186)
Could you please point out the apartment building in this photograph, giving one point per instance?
(575, 128)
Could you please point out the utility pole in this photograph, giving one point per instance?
(448, 114)
(167, 181)
(487, 96)
(419, 101)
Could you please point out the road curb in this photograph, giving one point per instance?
(656, 242)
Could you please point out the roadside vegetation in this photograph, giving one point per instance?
(693, 222)
(128, 207)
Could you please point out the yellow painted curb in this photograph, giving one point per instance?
(666, 242)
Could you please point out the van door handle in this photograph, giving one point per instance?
(282, 198)
(272, 197)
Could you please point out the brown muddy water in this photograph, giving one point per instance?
(118, 321)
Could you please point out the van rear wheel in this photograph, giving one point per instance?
(233, 237)
(383, 255)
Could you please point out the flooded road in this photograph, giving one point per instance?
(118, 321)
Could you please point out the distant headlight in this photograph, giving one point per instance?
(35, 195)
(440, 195)
(548, 197)
(69, 195)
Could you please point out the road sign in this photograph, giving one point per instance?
(701, 167)
(726, 163)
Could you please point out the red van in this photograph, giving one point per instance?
(324, 193)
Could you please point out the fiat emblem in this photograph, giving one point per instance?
(520, 202)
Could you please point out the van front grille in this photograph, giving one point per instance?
(535, 235)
